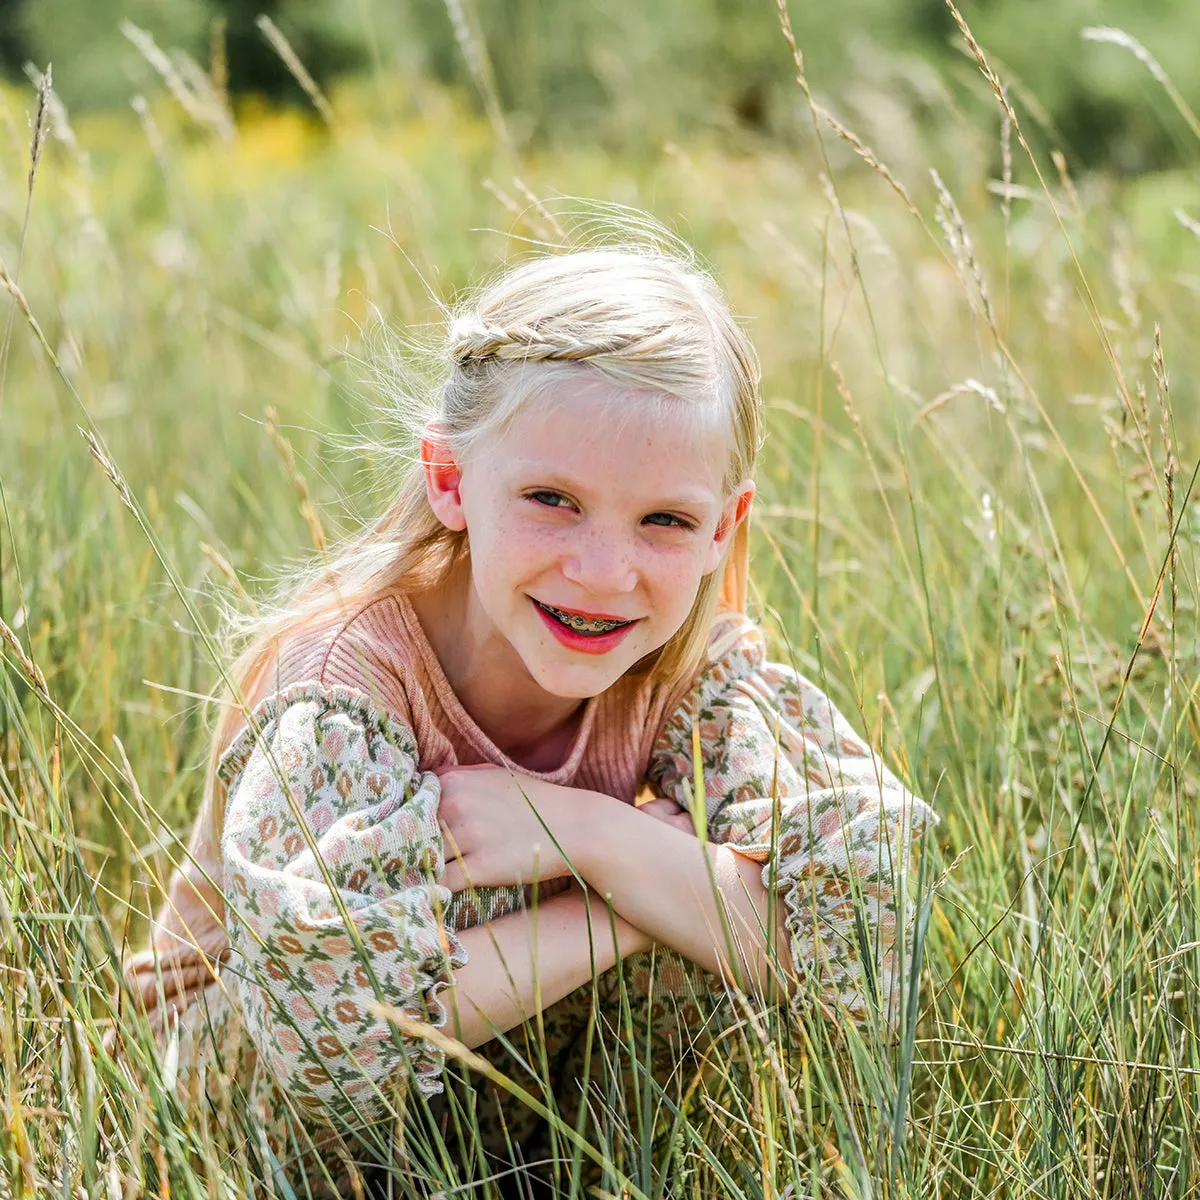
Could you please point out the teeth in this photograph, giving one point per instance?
(582, 624)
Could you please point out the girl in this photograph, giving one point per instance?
(464, 707)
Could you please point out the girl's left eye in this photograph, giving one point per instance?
(670, 520)
(550, 499)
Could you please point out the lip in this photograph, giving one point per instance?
(576, 641)
(587, 616)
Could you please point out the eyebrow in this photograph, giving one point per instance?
(549, 474)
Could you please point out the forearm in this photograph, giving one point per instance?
(522, 963)
(698, 899)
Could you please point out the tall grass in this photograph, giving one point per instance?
(976, 530)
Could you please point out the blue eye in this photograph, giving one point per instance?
(549, 499)
(671, 521)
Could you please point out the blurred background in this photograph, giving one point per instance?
(622, 69)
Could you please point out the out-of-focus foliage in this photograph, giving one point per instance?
(625, 69)
(96, 65)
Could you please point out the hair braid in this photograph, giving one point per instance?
(475, 340)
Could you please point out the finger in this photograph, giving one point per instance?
(669, 813)
(178, 983)
(460, 876)
(662, 809)
(451, 848)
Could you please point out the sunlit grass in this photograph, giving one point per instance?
(976, 530)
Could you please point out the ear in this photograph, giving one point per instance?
(443, 478)
(736, 510)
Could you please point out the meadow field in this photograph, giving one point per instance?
(976, 530)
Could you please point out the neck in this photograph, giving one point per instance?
(527, 723)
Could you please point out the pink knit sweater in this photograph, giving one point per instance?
(382, 651)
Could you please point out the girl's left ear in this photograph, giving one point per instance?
(736, 510)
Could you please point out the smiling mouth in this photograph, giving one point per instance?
(587, 626)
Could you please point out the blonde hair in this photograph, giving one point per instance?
(647, 319)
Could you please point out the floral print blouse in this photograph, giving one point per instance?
(332, 857)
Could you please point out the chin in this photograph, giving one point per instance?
(576, 681)
(574, 685)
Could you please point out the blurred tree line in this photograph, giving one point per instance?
(622, 68)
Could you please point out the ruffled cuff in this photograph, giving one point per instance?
(843, 870)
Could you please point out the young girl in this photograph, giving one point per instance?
(466, 704)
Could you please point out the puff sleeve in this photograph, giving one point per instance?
(784, 770)
(317, 939)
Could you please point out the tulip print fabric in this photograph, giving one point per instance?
(789, 783)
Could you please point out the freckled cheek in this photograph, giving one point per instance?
(673, 575)
(524, 549)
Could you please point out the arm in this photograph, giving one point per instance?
(800, 813)
(658, 875)
(789, 784)
(331, 853)
(187, 936)
(641, 862)
(526, 961)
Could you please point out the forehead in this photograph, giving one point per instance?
(599, 434)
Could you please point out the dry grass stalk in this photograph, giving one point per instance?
(551, 228)
(299, 71)
(57, 112)
(200, 103)
(866, 154)
(109, 468)
(307, 509)
(226, 568)
(993, 79)
(1110, 354)
(199, 81)
(847, 135)
(1068, 184)
(9, 285)
(785, 24)
(1006, 164)
(480, 66)
(1189, 223)
(968, 387)
(951, 222)
(41, 125)
(32, 671)
(1118, 37)
(505, 201)
(218, 62)
(1162, 389)
(154, 138)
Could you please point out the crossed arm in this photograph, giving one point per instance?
(665, 887)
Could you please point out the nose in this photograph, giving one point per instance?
(601, 563)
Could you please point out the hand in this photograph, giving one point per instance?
(671, 813)
(188, 939)
(491, 829)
